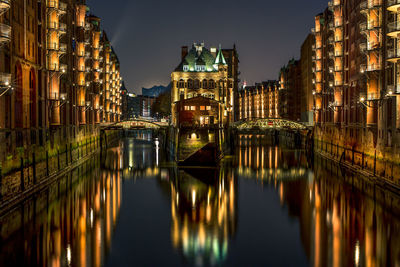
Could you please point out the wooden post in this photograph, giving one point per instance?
(70, 152)
(47, 163)
(1, 181)
(22, 175)
(352, 156)
(375, 163)
(58, 159)
(34, 167)
(363, 160)
(66, 154)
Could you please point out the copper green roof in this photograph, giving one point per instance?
(198, 60)
(220, 57)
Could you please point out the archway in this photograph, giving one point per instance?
(18, 104)
(32, 97)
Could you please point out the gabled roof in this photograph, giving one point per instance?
(220, 57)
(201, 56)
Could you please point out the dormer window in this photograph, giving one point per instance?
(200, 68)
(185, 67)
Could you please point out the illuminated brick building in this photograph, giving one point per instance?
(259, 101)
(205, 72)
(356, 79)
(59, 77)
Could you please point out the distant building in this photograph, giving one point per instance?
(290, 91)
(306, 64)
(259, 101)
(155, 91)
(146, 103)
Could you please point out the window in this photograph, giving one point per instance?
(208, 107)
(192, 107)
(202, 107)
(205, 84)
(181, 84)
(196, 84)
(211, 84)
(189, 95)
(186, 68)
(187, 107)
(190, 84)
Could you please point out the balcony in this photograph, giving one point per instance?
(373, 96)
(53, 67)
(5, 79)
(63, 28)
(54, 96)
(370, 67)
(62, 7)
(52, 25)
(52, 4)
(393, 29)
(393, 55)
(5, 33)
(363, 47)
(52, 46)
(63, 48)
(63, 68)
(370, 4)
(338, 83)
(393, 89)
(338, 53)
(393, 5)
(4, 6)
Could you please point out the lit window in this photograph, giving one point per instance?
(187, 107)
(202, 108)
(185, 68)
(208, 107)
(193, 108)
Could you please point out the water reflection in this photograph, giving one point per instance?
(70, 224)
(203, 212)
(75, 222)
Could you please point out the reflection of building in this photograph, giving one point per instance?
(259, 101)
(74, 228)
(206, 73)
(339, 225)
(203, 215)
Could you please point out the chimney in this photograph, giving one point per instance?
(184, 51)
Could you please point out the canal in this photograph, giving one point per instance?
(265, 205)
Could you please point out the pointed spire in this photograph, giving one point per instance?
(220, 59)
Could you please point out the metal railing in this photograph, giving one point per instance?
(5, 78)
(5, 32)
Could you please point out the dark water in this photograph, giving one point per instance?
(263, 207)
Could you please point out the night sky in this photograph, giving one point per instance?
(147, 35)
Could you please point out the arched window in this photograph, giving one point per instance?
(32, 98)
(18, 96)
(181, 84)
(211, 84)
(205, 85)
(190, 84)
(196, 84)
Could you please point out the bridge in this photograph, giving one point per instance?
(268, 124)
(134, 124)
